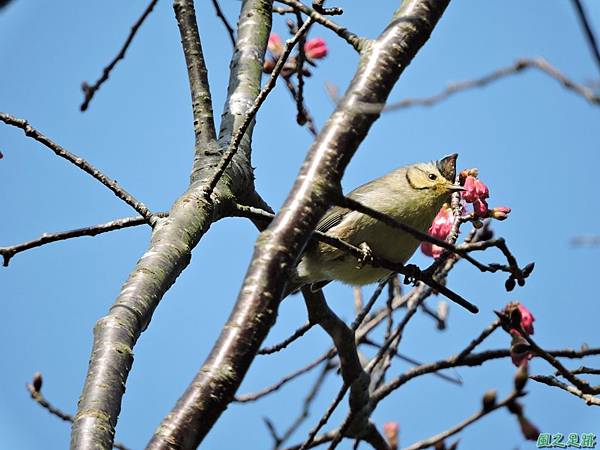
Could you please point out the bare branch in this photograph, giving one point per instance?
(89, 91)
(274, 387)
(552, 381)
(204, 125)
(221, 16)
(456, 429)
(352, 39)
(81, 163)
(93, 230)
(260, 98)
(587, 28)
(34, 389)
(279, 245)
(519, 66)
(169, 252)
(283, 344)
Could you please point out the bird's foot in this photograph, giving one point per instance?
(412, 274)
(366, 257)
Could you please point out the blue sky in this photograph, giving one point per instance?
(536, 146)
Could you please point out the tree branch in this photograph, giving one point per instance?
(456, 429)
(552, 381)
(34, 389)
(204, 126)
(520, 65)
(357, 42)
(81, 163)
(221, 16)
(170, 249)
(93, 230)
(587, 28)
(279, 246)
(89, 91)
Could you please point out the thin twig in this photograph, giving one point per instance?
(583, 370)
(275, 386)
(37, 396)
(221, 16)
(89, 91)
(552, 381)
(81, 163)
(519, 66)
(307, 403)
(260, 98)
(587, 28)
(413, 362)
(474, 359)
(287, 341)
(93, 230)
(474, 418)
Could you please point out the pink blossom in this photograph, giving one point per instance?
(315, 48)
(527, 319)
(440, 229)
(475, 189)
(274, 45)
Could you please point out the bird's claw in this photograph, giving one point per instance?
(366, 257)
(412, 274)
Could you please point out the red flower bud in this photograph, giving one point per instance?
(527, 319)
(500, 212)
(315, 48)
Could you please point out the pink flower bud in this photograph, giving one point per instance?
(390, 430)
(527, 319)
(474, 189)
(274, 45)
(481, 189)
(440, 228)
(315, 48)
(500, 212)
(480, 208)
(469, 194)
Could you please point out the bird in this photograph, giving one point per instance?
(411, 194)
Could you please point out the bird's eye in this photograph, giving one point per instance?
(432, 176)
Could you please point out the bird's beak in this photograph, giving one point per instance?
(456, 188)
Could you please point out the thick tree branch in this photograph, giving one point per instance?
(280, 245)
(81, 163)
(89, 91)
(173, 238)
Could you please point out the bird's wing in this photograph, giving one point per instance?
(333, 217)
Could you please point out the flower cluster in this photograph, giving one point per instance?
(477, 193)
(314, 49)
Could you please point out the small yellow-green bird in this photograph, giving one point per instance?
(411, 194)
